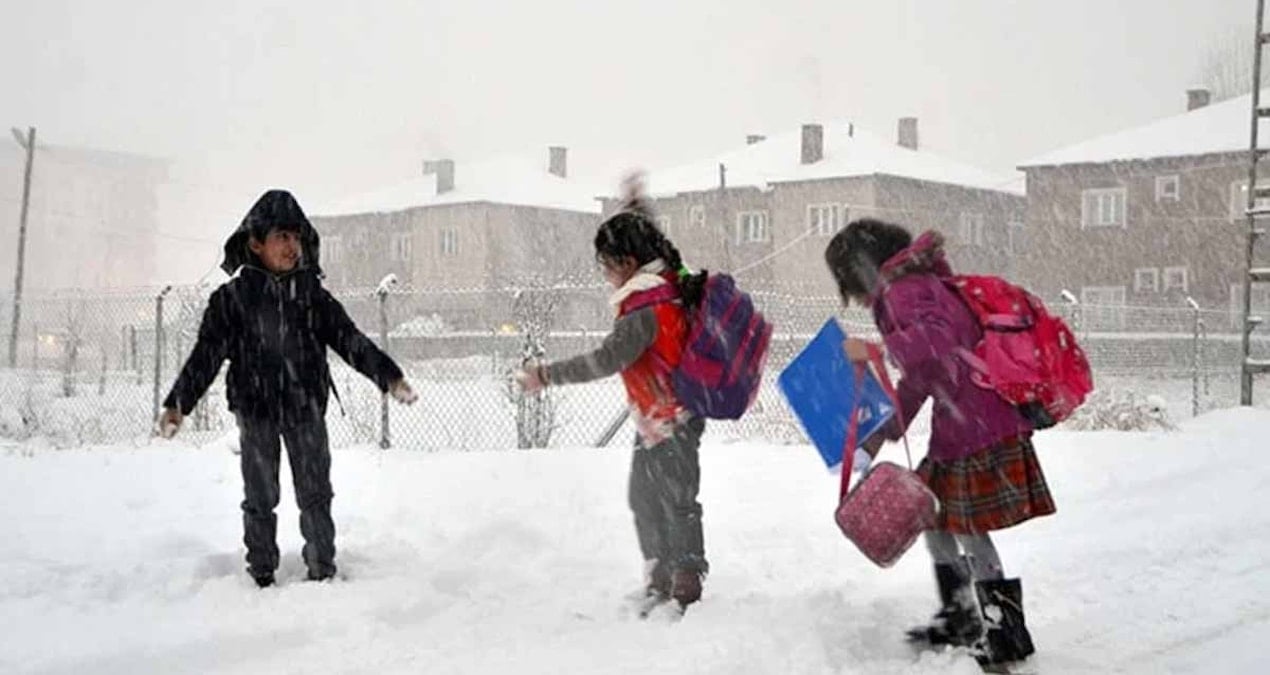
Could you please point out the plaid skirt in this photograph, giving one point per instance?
(995, 488)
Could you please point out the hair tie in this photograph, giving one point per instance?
(684, 272)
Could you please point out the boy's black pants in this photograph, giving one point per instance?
(309, 453)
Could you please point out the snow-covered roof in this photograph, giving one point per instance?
(516, 180)
(1221, 127)
(847, 152)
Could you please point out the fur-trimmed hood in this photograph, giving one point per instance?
(924, 255)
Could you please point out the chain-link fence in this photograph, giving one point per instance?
(92, 368)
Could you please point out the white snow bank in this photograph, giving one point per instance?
(119, 560)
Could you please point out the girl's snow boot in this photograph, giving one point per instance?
(1006, 638)
(957, 622)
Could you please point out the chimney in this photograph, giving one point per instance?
(906, 133)
(813, 143)
(444, 171)
(558, 162)
(755, 138)
(1197, 98)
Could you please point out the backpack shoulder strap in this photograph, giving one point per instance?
(965, 286)
(653, 296)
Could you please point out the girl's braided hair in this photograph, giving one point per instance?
(633, 232)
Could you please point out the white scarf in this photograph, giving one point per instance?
(646, 278)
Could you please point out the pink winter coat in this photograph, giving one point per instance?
(922, 322)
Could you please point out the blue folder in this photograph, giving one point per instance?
(819, 385)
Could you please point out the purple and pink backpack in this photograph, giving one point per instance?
(721, 367)
(722, 364)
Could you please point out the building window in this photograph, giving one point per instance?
(1102, 208)
(697, 216)
(752, 226)
(1239, 201)
(334, 250)
(663, 223)
(972, 232)
(823, 219)
(401, 248)
(1176, 279)
(1017, 237)
(1146, 280)
(449, 242)
(1167, 188)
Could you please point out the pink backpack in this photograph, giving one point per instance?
(890, 506)
(1029, 356)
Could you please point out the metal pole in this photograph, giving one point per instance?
(1077, 311)
(384, 441)
(158, 346)
(615, 425)
(1203, 340)
(1245, 379)
(17, 277)
(1194, 357)
(132, 346)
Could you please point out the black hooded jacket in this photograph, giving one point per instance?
(275, 329)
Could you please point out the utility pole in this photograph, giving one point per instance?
(28, 143)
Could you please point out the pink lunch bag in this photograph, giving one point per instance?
(890, 506)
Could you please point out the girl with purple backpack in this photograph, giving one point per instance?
(980, 464)
(653, 293)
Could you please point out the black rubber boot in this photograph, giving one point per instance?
(957, 622)
(1006, 638)
(263, 580)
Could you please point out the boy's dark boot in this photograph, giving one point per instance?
(264, 580)
(657, 582)
(1006, 638)
(957, 621)
(685, 586)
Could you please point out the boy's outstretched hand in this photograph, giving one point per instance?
(168, 423)
(402, 392)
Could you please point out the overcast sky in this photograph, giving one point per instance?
(331, 98)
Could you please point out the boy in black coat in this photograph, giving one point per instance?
(273, 320)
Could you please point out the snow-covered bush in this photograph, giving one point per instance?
(1122, 410)
(12, 424)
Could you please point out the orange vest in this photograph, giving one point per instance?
(648, 381)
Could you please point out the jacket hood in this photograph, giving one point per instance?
(276, 209)
(924, 256)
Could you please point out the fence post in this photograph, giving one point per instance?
(1204, 372)
(101, 383)
(1077, 319)
(70, 365)
(132, 346)
(381, 294)
(158, 346)
(1195, 325)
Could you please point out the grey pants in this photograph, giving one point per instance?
(310, 458)
(663, 489)
(946, 548)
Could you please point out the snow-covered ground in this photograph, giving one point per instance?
(127, 560)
